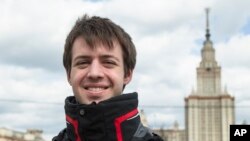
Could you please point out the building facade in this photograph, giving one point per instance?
(209, 110)
(172, 134)
(11, 135)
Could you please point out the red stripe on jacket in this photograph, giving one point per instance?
(75, 125)
(121, 119)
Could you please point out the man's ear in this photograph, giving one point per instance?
(68, 77)
(128, 77)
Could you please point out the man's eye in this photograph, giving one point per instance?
(109, 63)
(81, 63)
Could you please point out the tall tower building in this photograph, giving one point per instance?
(209, 110)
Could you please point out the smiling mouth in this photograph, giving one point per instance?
(96, 89)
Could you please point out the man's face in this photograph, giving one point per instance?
(96, 74)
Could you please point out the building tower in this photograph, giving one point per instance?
(208, 110)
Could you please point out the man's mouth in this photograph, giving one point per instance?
(96, 89)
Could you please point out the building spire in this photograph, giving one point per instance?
(225, 90)
(207, 24)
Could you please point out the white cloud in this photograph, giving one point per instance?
(235, 51)
(32, 84)
(35, 29)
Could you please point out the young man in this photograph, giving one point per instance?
(99, 58)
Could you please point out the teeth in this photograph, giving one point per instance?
(95, 89)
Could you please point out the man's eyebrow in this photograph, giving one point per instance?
(81, 57)
(102, 57)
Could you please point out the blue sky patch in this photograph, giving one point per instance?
(246, 28)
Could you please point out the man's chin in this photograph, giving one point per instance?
(97, 100)
(89, 98)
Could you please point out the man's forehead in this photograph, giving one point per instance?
(96, 42)
(81, 47)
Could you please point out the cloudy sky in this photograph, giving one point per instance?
(168, 35)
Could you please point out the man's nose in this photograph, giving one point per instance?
(95, 70)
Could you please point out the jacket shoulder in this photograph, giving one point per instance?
(145, 134)
(62, 136)
(156, 138)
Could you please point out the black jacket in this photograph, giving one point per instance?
(116, 119)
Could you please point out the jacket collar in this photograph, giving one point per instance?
(113, 119)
